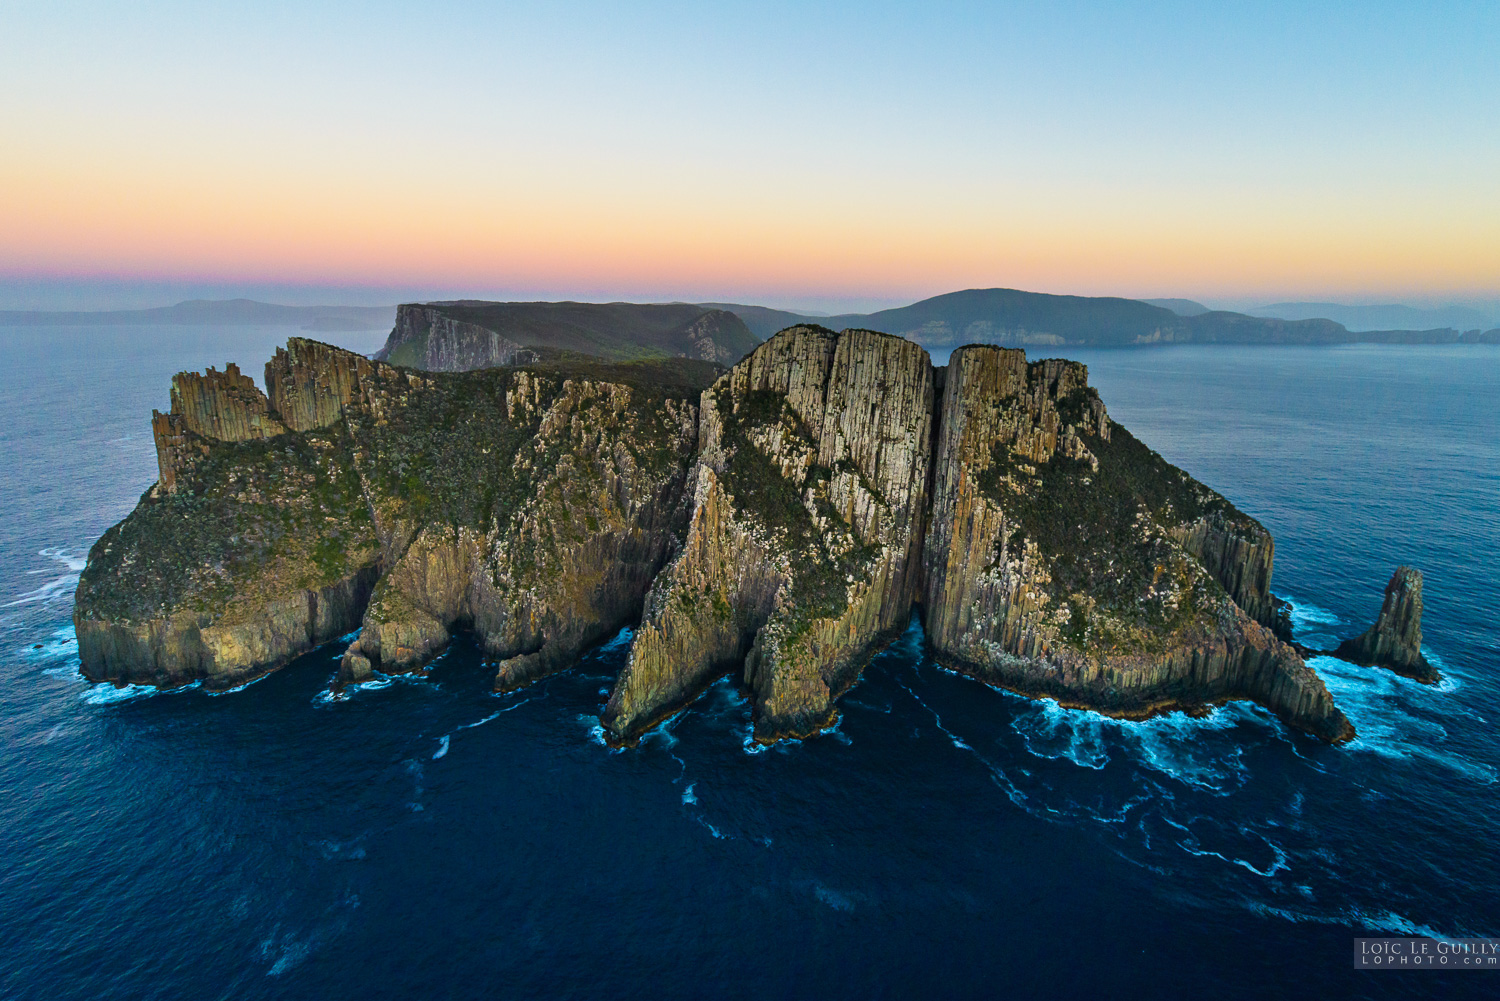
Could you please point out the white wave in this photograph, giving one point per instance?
(1376, 701)
(57, 732)
(241, 687)
(1390, 921)
(662, 733)
(1305, 613)
(750, 745)
(596, 732)
(688, 799)
(1277, 866)
(329, 696)
(61, 643)
(727, 691)
(288, 954)
(66, 557)
(53, 589)
(1172, 750)
(1050, 731)
(1172, 744)
(937, 720)
(442, 747)
(105, 693)
(491, 717)
(61, 586)
(1374, 920)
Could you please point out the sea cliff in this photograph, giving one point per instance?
(777, 522)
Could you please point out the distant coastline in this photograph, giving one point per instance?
(196, 312)
(1007, 317)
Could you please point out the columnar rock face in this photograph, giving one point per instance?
(1055, 563)
(218, 406)
(1239, 552)
(804, 546)
(425, 338)
(776, 523)
(1395, 640)
(309, 383)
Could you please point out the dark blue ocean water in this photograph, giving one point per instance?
(428, 838)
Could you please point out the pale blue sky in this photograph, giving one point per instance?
(828, 118)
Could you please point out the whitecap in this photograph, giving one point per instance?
(596, 732)
(688, 799)
(1306, 613)
(1378, 920)
(1276, 866)
(1194, 764)
(491, 717)
(662, 733)
(1050, 731)
(329, 696)
(66, 557)
(240, 687)
(1390, 921)
(442, 747)
(836, 899)
(1171, 744)
(105, 693)
(1375, 702)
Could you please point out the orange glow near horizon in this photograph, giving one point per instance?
(66, 220)
(233, 147)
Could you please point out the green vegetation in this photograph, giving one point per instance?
(411, 353)
(820, 580)
(449, 453)
(1096, 531)
(288, 506)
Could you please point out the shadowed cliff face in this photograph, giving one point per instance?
(777, 526)
(425, 337)
(458, 336)
(1061, 559)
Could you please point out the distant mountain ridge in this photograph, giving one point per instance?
(1182, 307)
(724, 332)
(1015, 318)
(246, 312)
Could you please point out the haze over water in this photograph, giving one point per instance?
(426, 837)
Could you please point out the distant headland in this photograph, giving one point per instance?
(1003, 317)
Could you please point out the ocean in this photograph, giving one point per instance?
(428, 838)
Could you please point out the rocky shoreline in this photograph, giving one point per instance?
(778, 522)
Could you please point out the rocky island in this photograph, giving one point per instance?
(777, 522)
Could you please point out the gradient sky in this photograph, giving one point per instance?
(791, 153)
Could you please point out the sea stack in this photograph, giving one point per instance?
(1395, 640)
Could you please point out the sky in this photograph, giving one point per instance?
(809, 155)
